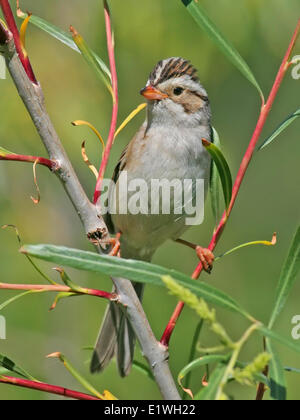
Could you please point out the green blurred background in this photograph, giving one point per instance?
(145, 32)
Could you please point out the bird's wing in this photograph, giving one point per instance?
(121, 166)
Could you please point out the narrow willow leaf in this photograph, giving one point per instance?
(63, 37)
(237, 248)
(215, 186)
(90, 58)
(60, 296)
(283, 126)
(209, 393)
(138, 271)
(192, 355)
(291, 344)
(277, 375)
(67, 281)
(195, 364)
(19, 296)
(130, 117)
(223, 169)
(28, 258)
(4, 152)
(11, 366)
(224, 45)
(76, 374)
(288, 277)
(291, 369)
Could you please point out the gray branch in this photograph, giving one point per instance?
(95, 228)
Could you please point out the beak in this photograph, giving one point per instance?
(153, 94)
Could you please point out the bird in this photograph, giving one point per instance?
(168, 146)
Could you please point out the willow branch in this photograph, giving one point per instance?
(50, 389)
(265, 110)
(114, 79)
(50, 164)
(59, 288)
(9, 17)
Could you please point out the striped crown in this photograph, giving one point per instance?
(171, 68)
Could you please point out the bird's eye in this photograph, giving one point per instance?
(178, 91)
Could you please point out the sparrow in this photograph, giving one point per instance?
(167, 146)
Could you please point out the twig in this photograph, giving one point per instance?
(51, 389)
(52, 165)
(234, 358)
(6, 9)
(261, 389)
(114, 79)
(59, 288)
(265, 110)
(32, 96)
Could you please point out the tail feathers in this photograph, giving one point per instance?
(107, 340)
(125, 347)
(116, 338)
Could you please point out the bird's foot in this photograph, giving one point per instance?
(116, 246)
(206, 257)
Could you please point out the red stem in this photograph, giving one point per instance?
(265, 110)
(52, 389)
(113, 126)
(51, 164)
(58, 288)
(12, 26)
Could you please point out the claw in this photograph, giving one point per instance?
(115, 243)
(206, 257)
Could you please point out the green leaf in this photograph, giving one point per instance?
(223, 169)
(291, 344)
(277, 375)
(19, 296)
(259, 377)
(291, 369)
(195, 364)
(90, 58)
(283, 126)
(288, 277)
(193, 354)
(209, 393)
(11, 366)
(215, 186)
(4, 152)
(76, 374)
(138, 271)
(225, 46)
(237, 248)
(63, 37)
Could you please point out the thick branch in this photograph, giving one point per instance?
(32, 96)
